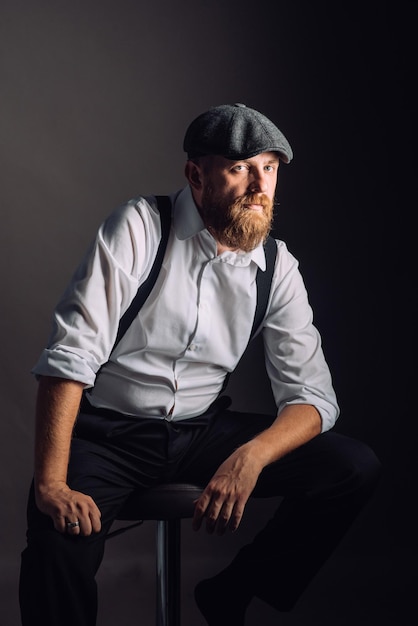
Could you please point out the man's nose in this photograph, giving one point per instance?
(258, 183)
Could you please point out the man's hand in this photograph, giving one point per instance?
(65, 506)
(223, 501)
(57, 407)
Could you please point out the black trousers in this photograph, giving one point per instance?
(324, 485)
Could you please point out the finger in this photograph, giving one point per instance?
(89, 518)
(95, 521)
(85, 526)
(67, 524)
(72, 526)
(212, 515)
(60, 523)
(224, 518)
(236, 516)
(207, 508)
(201, 505)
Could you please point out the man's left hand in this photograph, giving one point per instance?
(223, 501)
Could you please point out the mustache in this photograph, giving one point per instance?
(241, 204)
(254, 198)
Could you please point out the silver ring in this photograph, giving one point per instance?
(73, 524)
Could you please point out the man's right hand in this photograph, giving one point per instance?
(57, 407)
(67, 507)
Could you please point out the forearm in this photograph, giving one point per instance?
(295, 425)
(57, 406)
(233, 482)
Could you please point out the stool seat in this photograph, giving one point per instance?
(162, 502)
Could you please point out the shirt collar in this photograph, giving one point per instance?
(188, 223)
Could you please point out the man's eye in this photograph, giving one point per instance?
(239, 168)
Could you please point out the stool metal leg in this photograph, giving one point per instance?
(168, 572)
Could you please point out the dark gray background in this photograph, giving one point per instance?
(95, 99)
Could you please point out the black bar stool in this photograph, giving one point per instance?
(168, 504)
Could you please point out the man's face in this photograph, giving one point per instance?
(236, 201)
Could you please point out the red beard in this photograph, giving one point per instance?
(235, 225)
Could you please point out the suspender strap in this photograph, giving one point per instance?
(164, 207)
(263, 282)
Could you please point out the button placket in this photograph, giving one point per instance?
(204, 316)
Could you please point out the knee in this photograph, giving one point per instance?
(346, 467)
(51, 547)
(367, 465)
(360, 465)
(47, 546)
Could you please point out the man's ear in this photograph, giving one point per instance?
(193, 173)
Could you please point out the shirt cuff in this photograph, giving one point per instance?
(67, 364)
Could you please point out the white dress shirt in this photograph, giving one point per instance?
(193, 328)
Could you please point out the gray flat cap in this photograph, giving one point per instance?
(235, 132)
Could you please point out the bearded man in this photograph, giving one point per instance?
(152, 409)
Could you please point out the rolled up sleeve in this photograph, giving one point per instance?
(86, 318)
(295, 361)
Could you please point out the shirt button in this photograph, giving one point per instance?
(192, 347)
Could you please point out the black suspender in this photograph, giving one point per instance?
(164, 207)
(263, 279)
